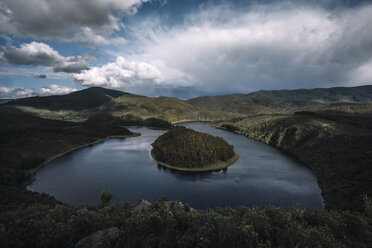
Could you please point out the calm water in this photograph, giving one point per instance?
(262, 175)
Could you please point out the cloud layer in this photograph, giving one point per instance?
(217, 49)
(220, 49)
(85, 20)
(41, 54)
(19, 92)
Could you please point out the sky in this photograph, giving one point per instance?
(183, 48)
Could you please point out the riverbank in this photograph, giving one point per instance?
(29, 142)
(212, 167)
(337, 151)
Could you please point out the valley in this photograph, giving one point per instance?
(329, 130)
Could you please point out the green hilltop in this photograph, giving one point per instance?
(188, 150)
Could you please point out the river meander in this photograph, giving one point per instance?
(262, 176)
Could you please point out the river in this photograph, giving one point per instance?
(262, 176)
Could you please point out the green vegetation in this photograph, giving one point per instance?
(106, 197)
(337, 148)
(173, 224)
(186, 149)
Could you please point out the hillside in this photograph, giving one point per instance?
(166, 108)
(346, 99)
(78, 100)
(337, 148)
(26, 141)
(76, 106)
(81, 105)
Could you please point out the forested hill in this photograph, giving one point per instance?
(187, 148)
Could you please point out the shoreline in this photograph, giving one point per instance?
(286, 152)
(212, 167)
(32, 172)
(186, 121)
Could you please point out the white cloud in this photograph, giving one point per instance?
(120, 74)
(220, 49)
(19, 92)
(41, 54)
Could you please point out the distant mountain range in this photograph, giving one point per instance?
(85, 103)
(289, 101)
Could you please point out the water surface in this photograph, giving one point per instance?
(263, 175)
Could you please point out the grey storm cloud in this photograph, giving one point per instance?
(86, 20)
(222, 49)
(40, 76)
(41, 54)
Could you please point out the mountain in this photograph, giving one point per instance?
(81, 105)
(75, 101)
(346, 99)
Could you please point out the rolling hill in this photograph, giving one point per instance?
(81, 105)
(345, 99)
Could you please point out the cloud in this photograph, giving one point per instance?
(40, 76)
(362, 75)
(88, 36)
(67, 19)
(41, 54)
(120, 74)
(273, 46)
(19, 92)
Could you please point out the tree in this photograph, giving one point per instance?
(106, 197)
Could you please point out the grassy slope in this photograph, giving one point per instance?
(336, 148)
(166, 108)
(83, 104)
(77, 105)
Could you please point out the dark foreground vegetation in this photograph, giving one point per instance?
(187, 148)
(173, 224)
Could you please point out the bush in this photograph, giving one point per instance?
(106, 197)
